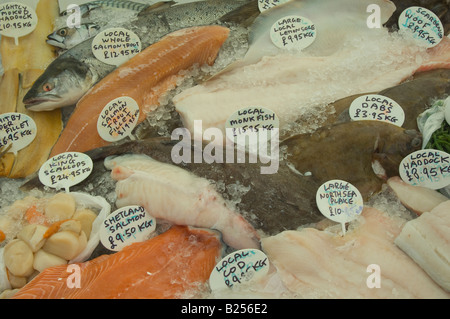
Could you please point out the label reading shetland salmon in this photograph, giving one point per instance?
(240, 267)
(125, 226)
(422, 25)
(378, 108)
(339, 201)
(264, 5)
(427, 168)
(118, 119)
(65, 170)
(17, 131)
(115, 46)
(17, 20)
(293, 32)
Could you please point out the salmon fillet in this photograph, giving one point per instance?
(175, 264)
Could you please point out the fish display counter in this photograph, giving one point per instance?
(225, 149)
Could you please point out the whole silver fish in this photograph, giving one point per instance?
(66, 38)
(71, 75)
(87, 7)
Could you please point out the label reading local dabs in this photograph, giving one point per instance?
(293, 32)
(378, 108)
(118, 119)
(17, 131)
(65, 170)
(423, 26)
(427, 168)
(264, 5)
(17, 20)
(125, 226)
(115, 46)
(339, 201)
(240, 267)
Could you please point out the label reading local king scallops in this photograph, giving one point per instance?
(293, 32)
(378, 108)
(17, 131)
(17, 20)
(264, 5)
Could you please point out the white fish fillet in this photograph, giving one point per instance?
(320, 264)
(426, 239)
(173, 194)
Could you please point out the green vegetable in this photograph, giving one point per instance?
(440, 139)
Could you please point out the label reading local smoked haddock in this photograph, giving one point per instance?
(17, 20)
(17, 131)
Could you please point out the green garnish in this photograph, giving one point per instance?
(440, 139)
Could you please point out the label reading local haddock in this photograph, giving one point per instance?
(378, 108)
(293, 32)
(17, 20)
(17, 131)
(264, 5)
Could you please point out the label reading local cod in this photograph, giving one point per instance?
(115, 46)
(427, 168)
(423, 26)
(17, 20)
(378, 108)
(264, 5)
(17, 131)
(293, 32)
(339, 201)
(118, 119)
(65, 170)
(240, 267)
(125, 226)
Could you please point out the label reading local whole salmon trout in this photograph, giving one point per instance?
(116, 45)
(240, 267)
(17, 20)
(118, 119)
(65, 170)
(293, 32)
(17, 131)
(125, 226)
(378, 108)
(264, 5)
(339, 201)
(427, 168)
(422, 25)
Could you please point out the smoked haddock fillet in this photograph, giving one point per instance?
(145, 78)
(175, 264)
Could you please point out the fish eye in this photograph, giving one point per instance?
(47, 87)
(62, 32)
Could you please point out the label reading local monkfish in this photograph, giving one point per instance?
(264, 5)
(427, 168)
(293, 32)
(65, 170)
(339, 201)
(240, 267)
(378, 108)
(118, 119)
(116, 45)
(17, 20)
(125, 226)
(17, 131)
(422, 25)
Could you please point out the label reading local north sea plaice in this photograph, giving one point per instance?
(17, 131)
(17, 20)
(65, 170)
(293, 32)
(422, 25)
(378, 108)
(118, 119)
(264, 5)
(427, 168)
(339, 201)
(116, 45)
(125, 226)
(240, 267)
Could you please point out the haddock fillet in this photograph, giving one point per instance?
(175, 264)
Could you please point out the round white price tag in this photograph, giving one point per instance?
(264, 5)
(17, 20)
(378, 108)
(293, 32)
(17, 130)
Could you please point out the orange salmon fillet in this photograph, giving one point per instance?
(175, 264)
(145, 78)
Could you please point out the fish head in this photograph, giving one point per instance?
(59, 37)
(63, 83)
(66, 38)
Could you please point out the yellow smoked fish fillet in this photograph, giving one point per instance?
(175, 264)
(145, 78)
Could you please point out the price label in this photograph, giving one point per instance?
(118, 119)
(125, 226)
(427, 168)
(65, 170)
(339, 201)
(17, 20)
(293, 32)
(240, 267)
(422, 25)
(115, 46)
(17, 131)
(378, 108)
(264, 5)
